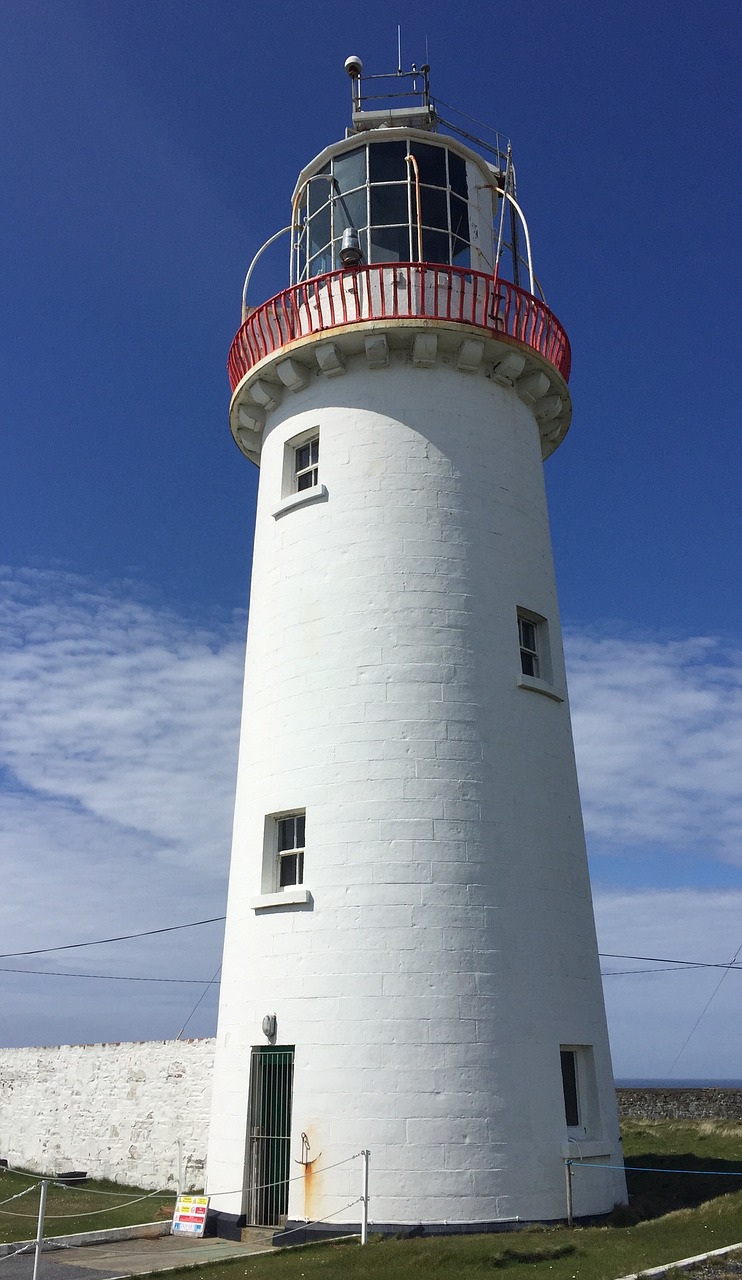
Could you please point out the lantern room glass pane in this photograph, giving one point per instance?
(390, 244)
(459, 218)
(461, 253)
(321, 262)
(435, 246)
(349, 171)
(319, 229)
(389, 204)
(386, 162)
(434, 208)
(318, 189)
(457, 174)
(431, 162)
(350, 211)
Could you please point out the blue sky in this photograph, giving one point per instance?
(147, 152)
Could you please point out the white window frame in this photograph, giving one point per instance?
(528, 640)
(534, 626)
(587, 1123)
(297, 823)
(272, 894)
(291, 495)
(308, 471)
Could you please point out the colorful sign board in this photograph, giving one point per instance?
(189, 1217)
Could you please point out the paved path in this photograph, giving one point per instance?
(126, 1258)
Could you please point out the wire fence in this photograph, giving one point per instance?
(571, 1165)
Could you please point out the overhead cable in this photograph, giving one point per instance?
(99, 942)
(107, 977)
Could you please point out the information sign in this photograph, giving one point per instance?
(190, 1215)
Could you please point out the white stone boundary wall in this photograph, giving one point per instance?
(136, 1114)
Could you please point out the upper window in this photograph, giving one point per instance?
(290, 849)
(306, 464)
(528, 638)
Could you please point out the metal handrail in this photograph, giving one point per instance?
(399, 291)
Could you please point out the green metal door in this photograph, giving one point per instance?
(271, 1087)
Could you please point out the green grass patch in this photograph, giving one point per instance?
(73, 1209)
(671, 1217)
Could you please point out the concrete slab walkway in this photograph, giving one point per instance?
(128, 1258)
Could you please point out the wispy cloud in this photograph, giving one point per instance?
(118, 746)
(658, 735)
(123, 709)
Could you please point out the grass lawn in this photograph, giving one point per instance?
(652, 1232)
(671, 1216)
(69, 1210)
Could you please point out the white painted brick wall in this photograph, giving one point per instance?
(132, 1113)
(449, 948)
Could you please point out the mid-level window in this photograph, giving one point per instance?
(528, 638)
(290, 849)
(306, 464)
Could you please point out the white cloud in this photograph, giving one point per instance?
(658, 736)
(122, 708)
(118, 745)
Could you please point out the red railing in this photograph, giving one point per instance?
(400, 290)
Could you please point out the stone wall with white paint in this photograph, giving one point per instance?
(134, 1113)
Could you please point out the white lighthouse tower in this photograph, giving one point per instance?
(410, 964)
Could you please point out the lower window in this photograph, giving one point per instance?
(569, 1085)
(579, 1090)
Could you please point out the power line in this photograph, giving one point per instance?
(207, 988)
(693, 1029)
(99, 942)
(666, 968)
(690, 964)
(108, 977)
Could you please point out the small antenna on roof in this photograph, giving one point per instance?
(399, 50)
(427, 53)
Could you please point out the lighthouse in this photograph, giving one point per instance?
(411, 1025)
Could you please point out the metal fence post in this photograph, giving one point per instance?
(40, 1228)
(364, 1198)
(568, 1178)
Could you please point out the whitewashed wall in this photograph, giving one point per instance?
(134, 1113)
(448, 949)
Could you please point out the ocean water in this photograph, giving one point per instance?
(635, 1083)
